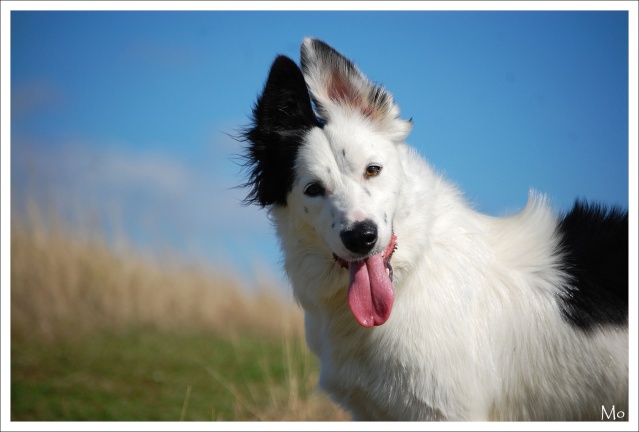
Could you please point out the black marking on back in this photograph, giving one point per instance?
(594, 246)
(282, 116)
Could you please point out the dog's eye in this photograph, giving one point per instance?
(313, 190)
(372, 170)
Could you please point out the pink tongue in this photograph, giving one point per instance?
(370, 294)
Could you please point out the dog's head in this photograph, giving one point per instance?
(336, 169)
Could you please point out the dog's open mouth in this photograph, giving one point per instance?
(370, 292)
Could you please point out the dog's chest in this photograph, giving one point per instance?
(370, 372)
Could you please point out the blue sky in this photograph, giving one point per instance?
(124, 117)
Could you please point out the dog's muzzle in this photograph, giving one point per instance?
(370, 292)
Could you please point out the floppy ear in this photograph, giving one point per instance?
(335, 81)
(281, 117)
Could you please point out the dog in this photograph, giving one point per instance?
(417, 306)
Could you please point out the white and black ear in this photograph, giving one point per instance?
(282, 116)
(334, 81)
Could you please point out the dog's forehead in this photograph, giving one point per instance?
(316, 159)
(332, 149)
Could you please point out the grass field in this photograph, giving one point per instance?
(102, 335)
(155, 376)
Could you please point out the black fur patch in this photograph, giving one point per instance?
(594, 244)
(281, 118)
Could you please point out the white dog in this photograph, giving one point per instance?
(418, 307)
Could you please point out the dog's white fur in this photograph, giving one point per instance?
(475, 332)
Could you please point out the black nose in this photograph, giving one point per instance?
(361, 237)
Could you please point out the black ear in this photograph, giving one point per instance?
(281, 118)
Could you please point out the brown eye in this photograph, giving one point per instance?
(314, 189)
(372, 170)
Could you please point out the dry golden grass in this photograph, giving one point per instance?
(67, 286)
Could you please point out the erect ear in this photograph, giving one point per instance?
(281, 117)
(335, 81)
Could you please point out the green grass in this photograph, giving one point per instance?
(103, 334)
(156, 376)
